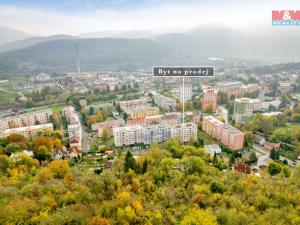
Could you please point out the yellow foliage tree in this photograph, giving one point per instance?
(199, 217)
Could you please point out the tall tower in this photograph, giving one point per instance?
(77, 60)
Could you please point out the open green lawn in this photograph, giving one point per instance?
(7, 97)
(55, 107)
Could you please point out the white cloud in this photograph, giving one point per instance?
(173, 16)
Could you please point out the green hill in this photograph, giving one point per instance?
(95, 54)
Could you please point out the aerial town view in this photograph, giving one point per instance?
(129, 112)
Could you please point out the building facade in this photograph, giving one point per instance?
(23, 120)
(186, 93)
(184, 132)
(157, 133)
(243, 109)
(29, 132)
(133, 105)
(225, 133)
(164, 102)
(129, 135)
(210, 97)
(143, 112)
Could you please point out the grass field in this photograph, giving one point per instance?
(7, 97)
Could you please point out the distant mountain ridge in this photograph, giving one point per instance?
(24, 43)
(8, 35)
(193, 47)
(95, 54)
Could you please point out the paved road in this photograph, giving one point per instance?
(261, 150)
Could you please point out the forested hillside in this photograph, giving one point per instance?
(171, 184)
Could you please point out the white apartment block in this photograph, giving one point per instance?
(28, 119)
(129, 135)
(157, 133)
(29, 132)
(133, 105)
(184, 132)
(164, 101)
(186, 93)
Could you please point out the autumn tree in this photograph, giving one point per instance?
(59, 168)
(57, 120)
(209, 109)
(105, 135)
(199, 217)
(97, 220)
(5, 163)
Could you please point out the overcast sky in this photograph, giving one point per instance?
(48, 17)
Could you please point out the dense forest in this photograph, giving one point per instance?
(170, 184)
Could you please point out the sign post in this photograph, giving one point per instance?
(178, 71)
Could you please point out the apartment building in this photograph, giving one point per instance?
(151, 120)
(109, 124)
(29, 132)
(186, 92)
(131, 135)
(171, 118)
(157, 133)
(227, 134)
(27, 119)
(70, 114)
(210, 97)
(232, 137)
(184, 131)
(74, 127)
(143, 112)
(236, 89)
(212, 126)
(128, 135)
(133, 105)
(164, 102)
(134, 122)
(243, 109)
(227, 86)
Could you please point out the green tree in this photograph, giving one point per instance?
(43, 154)
(216, 187)
(91, 111)
(274, 154)
(286, 171)
(5, 163)
(274, 168)
(194, 164)
(125, 116)
(11, 148)
(253, 158)
(209, 109)
(105, 135)
(130, 162)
